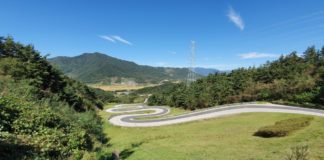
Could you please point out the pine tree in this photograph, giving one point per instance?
(322, 51)
(311, 55)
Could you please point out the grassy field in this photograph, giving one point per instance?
(118, 87)
(225, 138)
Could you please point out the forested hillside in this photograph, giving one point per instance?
(290, 79)
(98, 67)
(44, 114)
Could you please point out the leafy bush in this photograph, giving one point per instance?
(8, 114)
(305, 97)
(44, 130)
(284, 127)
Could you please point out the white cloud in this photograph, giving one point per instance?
(235, 18)
(115, 39)
(173, 52)
(108, 38)
(253, 55)
(118, 38)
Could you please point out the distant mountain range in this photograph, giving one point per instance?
(101, 68)
(206, 71)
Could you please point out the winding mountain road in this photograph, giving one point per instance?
(129, 117)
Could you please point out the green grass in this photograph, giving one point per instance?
(220, 138)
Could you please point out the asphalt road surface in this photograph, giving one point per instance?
(132, 114)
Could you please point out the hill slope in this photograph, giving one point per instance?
(97, 67)
(43, 113)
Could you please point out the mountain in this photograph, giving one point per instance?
(98, 67)
(206, 71)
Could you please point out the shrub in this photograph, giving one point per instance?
(284, 127)
(8, 113)
(40, 131)
(300, 152)
(304, 97)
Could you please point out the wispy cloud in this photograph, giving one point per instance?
(235, 18)
(253, 55)
(122, 40)
(115, 38)
(108, 38)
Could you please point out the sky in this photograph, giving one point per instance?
(228, 33)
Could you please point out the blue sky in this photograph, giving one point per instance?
(228, 33)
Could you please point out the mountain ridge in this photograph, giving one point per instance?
(101, 68)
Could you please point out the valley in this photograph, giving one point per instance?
(211, 117)
(162, 80)
(120, 87)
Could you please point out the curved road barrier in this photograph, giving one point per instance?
(131, 119)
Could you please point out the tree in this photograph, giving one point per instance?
(322, 51)
(311, 55)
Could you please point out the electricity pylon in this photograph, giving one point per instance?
(191, 69)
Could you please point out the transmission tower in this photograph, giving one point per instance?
(191, 69)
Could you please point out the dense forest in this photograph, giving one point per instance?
(44, 114)
(293, 79)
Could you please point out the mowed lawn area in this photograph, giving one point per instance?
(224, 138)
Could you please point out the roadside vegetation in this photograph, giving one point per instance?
(44, 114)
(292, 79)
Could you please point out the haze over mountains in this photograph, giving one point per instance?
(98, 67)
(206, 71)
